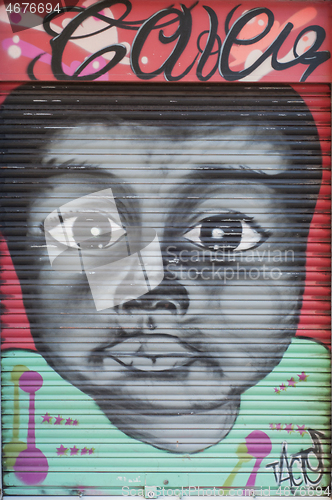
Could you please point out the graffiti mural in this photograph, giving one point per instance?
(160, 254)
(117, 40)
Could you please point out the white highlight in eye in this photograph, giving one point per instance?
(249, 238)
(95, 231)
(217, 233)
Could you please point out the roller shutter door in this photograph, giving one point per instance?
(165, 284)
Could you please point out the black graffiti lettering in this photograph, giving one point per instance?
(59, 41)
(311, 57)
(49, 18)
(31, 66)
(229, 17)
(208, 50)
(317, 451)
(180, 38)
(274, 466)
(284, 465)
(231, 39)
(284, 460)
(302, 459)
(120, 52)
(181, 34)
(278, 467)
(293, 481)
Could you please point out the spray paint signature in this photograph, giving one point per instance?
(299, 468)
(305, 50)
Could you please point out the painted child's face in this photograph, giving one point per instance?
(219, 305)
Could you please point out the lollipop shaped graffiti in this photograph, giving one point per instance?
(31, 465)
(257, 445)
(243, 455)
(12, 449)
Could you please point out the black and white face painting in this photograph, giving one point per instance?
(162, 267)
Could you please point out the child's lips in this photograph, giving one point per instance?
(151, 353)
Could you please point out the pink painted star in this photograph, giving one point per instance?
(276, 390)
(75, 422)
(272, 426)
(68, 421)
(301, 429)
(91, 451)
(283, 387)
(291, 382)
(74, 451)
(61, 451)
(303, 377)
(58, 420)
(47, 418)
(289, 428)
(279, 427)
(84, 451)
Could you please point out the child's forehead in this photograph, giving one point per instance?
(174, 151)
(176, 131)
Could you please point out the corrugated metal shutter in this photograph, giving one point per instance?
(173, 262)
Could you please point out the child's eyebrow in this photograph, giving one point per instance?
(224, 171)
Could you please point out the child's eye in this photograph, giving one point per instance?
(90, 230)
(227, 232)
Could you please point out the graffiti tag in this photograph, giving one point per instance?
(300, 467)
(181, 18)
